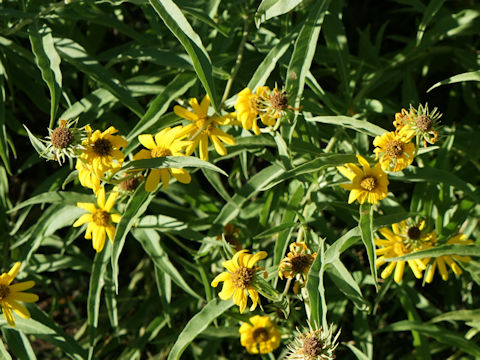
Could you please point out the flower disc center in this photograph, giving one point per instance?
(424, 123)
(278, 100)
(368, 183)
(4, 291)
(160, 152)
(102, 147)
(101, 218)
(300, 263)
(414, 233)
(260, 334)
(242, 277)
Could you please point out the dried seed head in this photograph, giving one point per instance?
(278, 100)
(300, 262)
(424, 123)
(312, 346)
(61, 137)
(394, 148)
(102, 147)
(129, 184)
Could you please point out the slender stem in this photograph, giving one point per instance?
(238, 62)
(287, 286)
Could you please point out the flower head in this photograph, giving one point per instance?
(367, 184)
(87, 177)
(406, 238)
(239, 281)
(297, 263)
(313, 344)
(251, 106)
(100, 219)
(166, 143)
(203, 128)
(231, 233)
(396, 151)
(10, 295)
(63, 141)
(440, 261)
(259, 335)
(418, 122)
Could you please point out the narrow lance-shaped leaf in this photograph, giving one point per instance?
(468, 76)
(48, 61)
(366, 231)
(269, 9)
(197, 324)
(174, 19)
(176, 162)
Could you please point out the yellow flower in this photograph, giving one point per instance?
(10, 295)
(239, 282)
(203, 127)
(313, 344)
(102, 150)
(250, 106)
(404, 239)
(297, 263)
(100, 220)
(396, 151)
(441, 260)
(166, 143)
(260, 336)
(367, 184)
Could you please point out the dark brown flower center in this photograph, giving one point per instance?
(61, 137)
(260, 334)
(160, 152)
(413, 233)
(4, 291)
(102, 147)
(424, 123)
(368, 183)
(300, 263)
(242, 277)
(101, 218)
(394, 148)
(278, 100)
(312, 347)
(129, 184)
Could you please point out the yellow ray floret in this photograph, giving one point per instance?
(260, 335)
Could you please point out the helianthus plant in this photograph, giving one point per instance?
(271, 180)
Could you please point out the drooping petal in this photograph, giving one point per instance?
(101, 198)
(165, 176)
(219, 147)
(152, 180)
(204, 147)
(110, 232)
(220, 277)
(111, 201)
(181, 175)
(258, 256)
(227, 290)
(8, 315)
(20, 310)
(254, 296)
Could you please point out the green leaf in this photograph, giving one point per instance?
(197, 324)
(19, 344)
(428, 14)
(135, 208)
(362, 126)
(174, 19)
(275, 230)
(269, 9)
(153, 117)
(442, 335)
(48, 61)
(64, 197)
(150, 241)
(175, 162)
(316, 289)
(76, 55)
(468, 76)
(303, 52)
(458, 315)
(3, 130)
(94, 291)
(433, 175)
(36, 143)
(366, 231)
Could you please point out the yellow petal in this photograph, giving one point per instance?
(258, 256)
(101, 198)
(13, 272)
(143, 154)
(111, 201)
(152, 180)
(21, 286)
(219, 147)
(20, 310)
(254, 295)
(220, 277)
(85, 218)
(25, 297)
(110, 232)
(204, 147)
(147, 141)
(181, 175)
(227, 290)
(165, 176)
(9, 316)
(184, 113)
